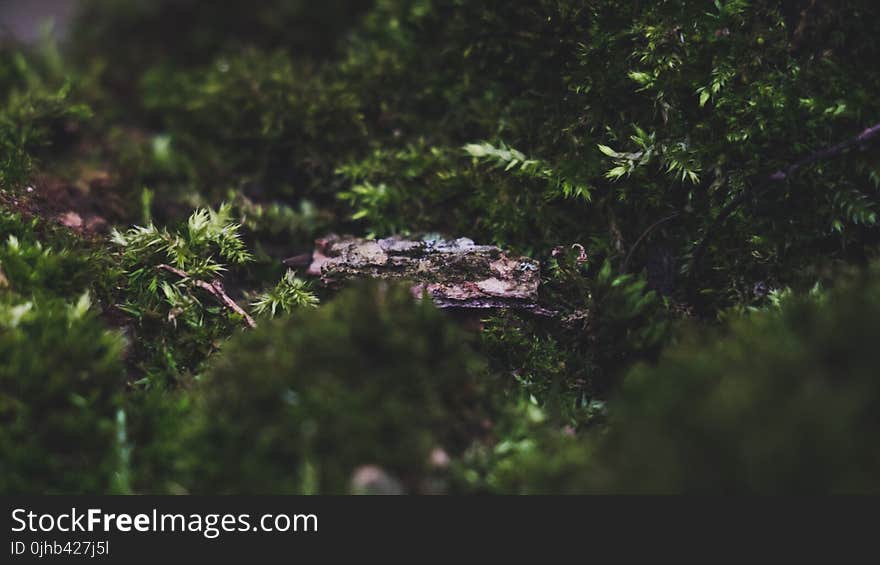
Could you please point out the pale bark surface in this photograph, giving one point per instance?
(454, 273)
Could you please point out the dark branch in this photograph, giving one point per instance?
(779, 176)
(645, 234)
(215, 289)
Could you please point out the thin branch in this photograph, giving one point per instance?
(215, 289)
(779, 176)
(301, 260)
(645, 234)
(828, 152)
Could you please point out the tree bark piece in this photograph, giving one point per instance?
(454, 273)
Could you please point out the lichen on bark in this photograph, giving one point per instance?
(455, 273)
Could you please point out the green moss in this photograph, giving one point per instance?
(163, 290)
(155, 421)
(545, 463)
(126, 38)
(59, 385)
(255, 118)
(39, 260)
(602, 138)
(298, 404)
(786, 402)
(30, 121)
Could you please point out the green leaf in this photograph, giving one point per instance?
(608, 151)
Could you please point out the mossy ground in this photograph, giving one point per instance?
(625, 146)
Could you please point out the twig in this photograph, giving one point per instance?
(645, 234)
(301, 260)
(215, 289)
(779, 176)
(828, 152)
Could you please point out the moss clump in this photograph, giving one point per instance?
(372, 377)
(124, 36)
(789, 401)
(156, 451)
(544, 463)
(61, 371)
(255, 118)
(39, 261)
(32, 119)
(783, 401)
(59, 384)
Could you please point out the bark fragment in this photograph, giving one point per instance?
(454, 273)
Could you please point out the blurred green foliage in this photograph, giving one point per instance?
(61, 373)
(37, 112)
(59, 385)
(186, 33)
(370, 378)
(269, 121)
(781, 400)
(786, 402)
